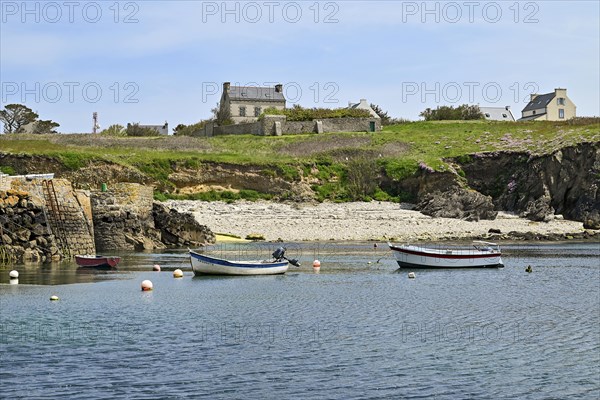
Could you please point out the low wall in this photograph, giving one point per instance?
(123, 218)
(267, 126)
(252, 128)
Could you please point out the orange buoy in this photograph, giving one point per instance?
(316, 264)
(146, 285)
(156, 268)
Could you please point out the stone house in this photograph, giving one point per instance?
(246, 103)
(497, 113)
(554, 106)
(364, 105)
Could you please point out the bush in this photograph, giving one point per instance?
(114, 130)
(361, 177)
(137, 130)
(190, 130)
(446, 113)
(298, 113)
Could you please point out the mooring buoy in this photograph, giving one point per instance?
(156, 268)
(14, 274)
(147, 285)
(412, 275)
(178, 273)
(54, 298)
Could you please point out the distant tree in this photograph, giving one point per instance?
(446, 113)
(15, 116)
(222, 116)
(114, 130)
(385, 118)
(43, 127)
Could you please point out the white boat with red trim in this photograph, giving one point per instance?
(482, 255)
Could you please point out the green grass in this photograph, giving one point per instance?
(399, 149)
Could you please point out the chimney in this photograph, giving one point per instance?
(226, 86)
(560, 92)
(279, 88)
(350, 104)
(532, 96)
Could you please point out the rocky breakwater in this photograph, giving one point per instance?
(126, 218)
(24, 233)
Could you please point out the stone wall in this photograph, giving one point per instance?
(266, 126)
(24, 233)
(123, 218)
(66, 218)
(253, 128)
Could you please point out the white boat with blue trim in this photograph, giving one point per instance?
(482, 255)
(203, 264)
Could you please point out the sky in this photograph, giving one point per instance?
(155, 61)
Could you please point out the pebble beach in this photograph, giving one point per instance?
(358, 221)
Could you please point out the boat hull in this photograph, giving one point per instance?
(417, 257)
(97, 261)
(206, 265)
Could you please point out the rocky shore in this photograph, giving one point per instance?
(367, 221)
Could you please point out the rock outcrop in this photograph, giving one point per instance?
(565, 182)
(180, 229)
(458, 203)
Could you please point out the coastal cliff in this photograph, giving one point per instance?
(473, 186)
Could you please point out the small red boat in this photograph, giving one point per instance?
(97, 261)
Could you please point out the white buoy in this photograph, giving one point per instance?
(14, 281)
(14, 274)
(178, 273)
(146, 285)
(156, 268)
(53, 298)
(316, 266)
(412, 275)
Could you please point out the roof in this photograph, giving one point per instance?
(255, 93)
(363, 105)
(497, 113)
(540, 101)
(531, 117)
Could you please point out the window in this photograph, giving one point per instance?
(504, 115)
(561, 113)
(561, 101)
(242, 111)
(257, 111)
(533, 113)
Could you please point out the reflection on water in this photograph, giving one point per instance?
(335, 257)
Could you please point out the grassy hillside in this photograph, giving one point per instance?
(398, 150)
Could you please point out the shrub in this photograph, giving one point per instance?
(445, 113)
(361, 177)
(137, 130)
(298, 113)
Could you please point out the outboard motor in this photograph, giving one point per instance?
(279, 253)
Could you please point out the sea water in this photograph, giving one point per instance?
(358, 329)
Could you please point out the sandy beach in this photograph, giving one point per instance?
(353, 221)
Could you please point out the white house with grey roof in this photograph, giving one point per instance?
(554, 106)
(364, 105)
(497, 113)
(246, 103)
